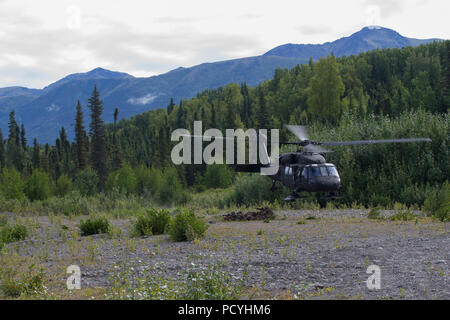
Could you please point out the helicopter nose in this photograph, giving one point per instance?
(333, 183)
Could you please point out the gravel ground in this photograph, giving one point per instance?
(326, 257)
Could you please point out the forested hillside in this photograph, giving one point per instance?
(379, 94)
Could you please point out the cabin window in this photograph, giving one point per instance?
(305, 173)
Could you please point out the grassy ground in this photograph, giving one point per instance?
(302, 254)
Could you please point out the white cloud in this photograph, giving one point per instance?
(53, 107)
(143, 100)
(42, 41)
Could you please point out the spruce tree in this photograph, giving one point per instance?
(13, 154)
(65, 149)
(116, 161)
(23, 138)
(36, 156)
(98, 137)
(45, 165)
(170, 106)
(2, 150)
(263, 115)
(80, 139)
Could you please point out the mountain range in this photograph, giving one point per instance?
(44, 111)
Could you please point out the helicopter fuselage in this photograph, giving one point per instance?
(304, 171)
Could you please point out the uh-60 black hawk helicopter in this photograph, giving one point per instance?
(307, 170)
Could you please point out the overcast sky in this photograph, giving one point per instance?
(42, 41)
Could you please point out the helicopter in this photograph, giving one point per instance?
(307, 169)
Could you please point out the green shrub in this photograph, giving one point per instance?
(218, 176)
(374, 213)
(148, 181)
(63, 185)
(29, 281)
(11, 184)
(86, 182)
(211, 283)
(171, 190)
(13, 233)
(403, 216)
(185, 226)
(253, 189)
(3, 220)
(142, 227)
(37, 187)
(153, 222)
(94, 226)
(159, 220)
(123, 180)
(195, 282)
(437, 203)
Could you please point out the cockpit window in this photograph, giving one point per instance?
(332, 171)
(314, 172)
(323, 171)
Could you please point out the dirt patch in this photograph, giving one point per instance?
(264, 213)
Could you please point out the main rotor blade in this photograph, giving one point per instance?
(308, 146)
(355, 142)
(315, 148)
(299, 131)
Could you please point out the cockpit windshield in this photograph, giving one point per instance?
(332, 171)
(322, 171)
(314, 172)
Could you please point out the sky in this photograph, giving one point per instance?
(43, 41)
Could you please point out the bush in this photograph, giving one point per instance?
(37, 187)
(86, 182)
(94, 226)
(171, 190)
(21, 278)
(3, 220)
(186, 226)
(218, 176)
(374, 213)
(212, 283)
(148, 180)
(13, 233)
(438, 203)
(123, 180)
(253, 189)
(152, 223)
(142, 227)
(11, 184)
(63, 185)
(159, 220)
(403, 216)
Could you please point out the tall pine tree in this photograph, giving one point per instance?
(98, 138)
(2, 150)
(116, 161)
(14, 154)
(80, 139)
(36, 156)
(23, 138)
